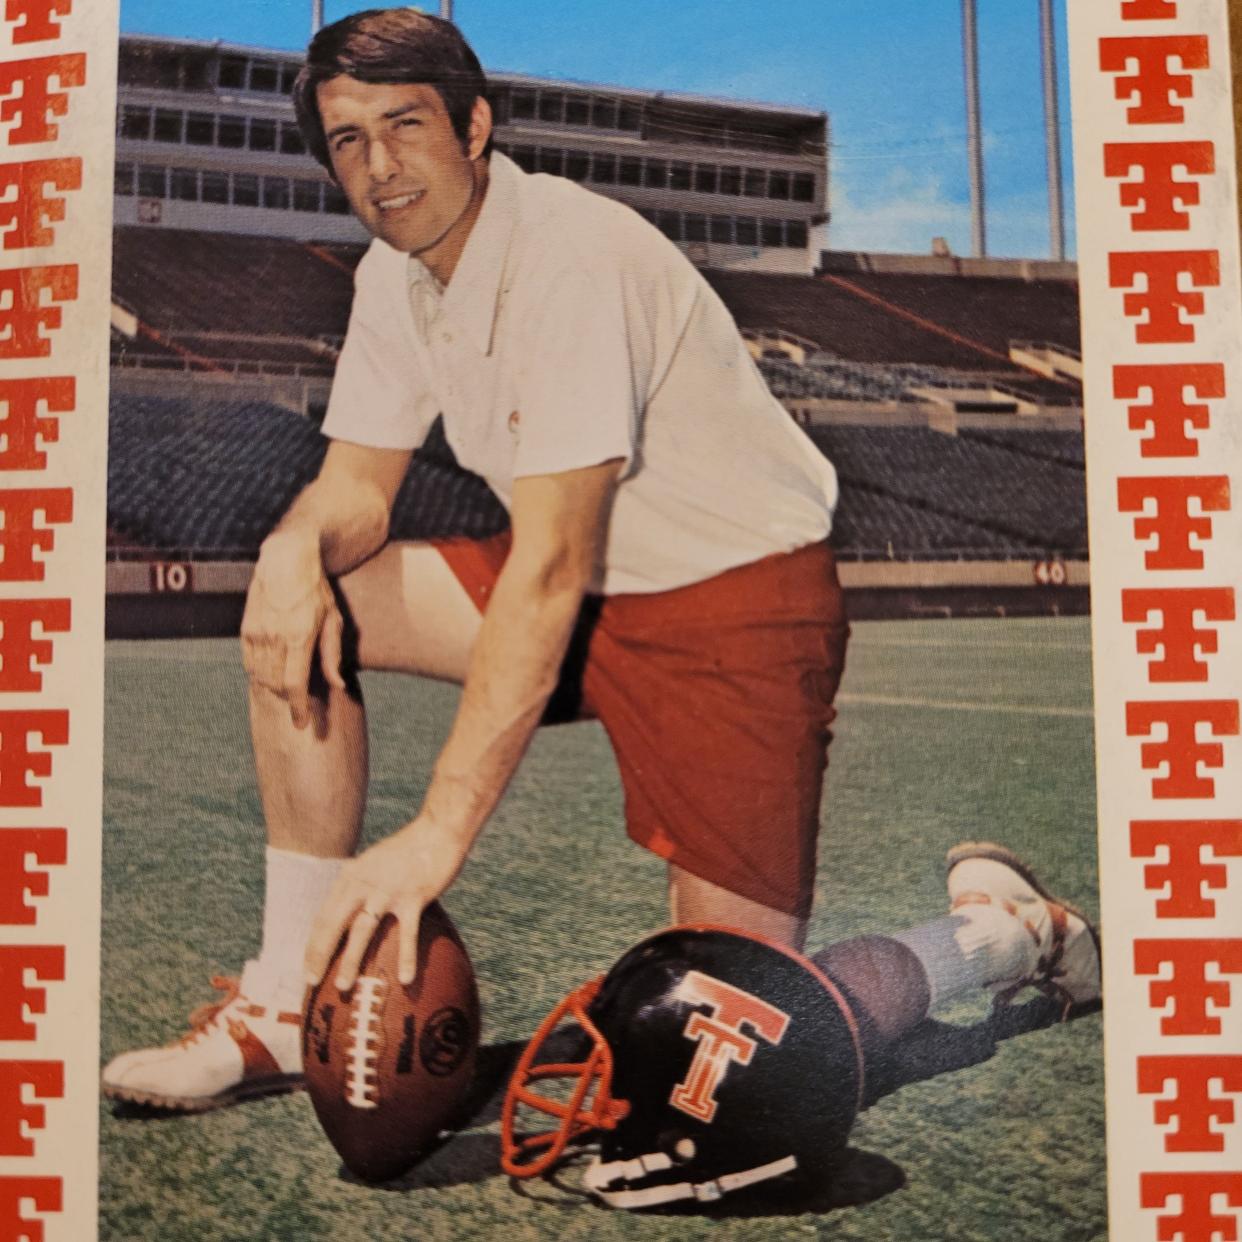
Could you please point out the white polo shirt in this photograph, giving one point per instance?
(573, 332)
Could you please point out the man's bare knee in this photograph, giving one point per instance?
(693, 899)
(409, 613)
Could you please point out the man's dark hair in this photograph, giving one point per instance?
(389, 46)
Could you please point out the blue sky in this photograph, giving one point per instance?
(888, 72)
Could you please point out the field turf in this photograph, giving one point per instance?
(948, 730)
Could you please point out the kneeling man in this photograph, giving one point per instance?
(666, 571)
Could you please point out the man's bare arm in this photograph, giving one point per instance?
(559, 522)
(344, 512)
(336, 523)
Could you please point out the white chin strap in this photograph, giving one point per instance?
(599, 1176)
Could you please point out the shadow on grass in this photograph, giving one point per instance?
(457, 1160)
(929, 1050)
(858, 1178)
(933, 1048)
(465, 1156)
(129, 1110)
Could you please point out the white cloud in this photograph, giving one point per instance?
(901, 211)
(898, 211)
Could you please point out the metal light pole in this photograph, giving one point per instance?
(974, 136)
(1052, 131)
(446, 12)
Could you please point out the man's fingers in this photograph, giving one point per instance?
(295, 682)
(334, 914)
(255, 654)
(330, 649)
(360, 932)
(409, 915)
(265, 661)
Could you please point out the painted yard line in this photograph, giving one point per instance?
(962, 705)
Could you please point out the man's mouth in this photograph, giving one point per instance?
(398, 201)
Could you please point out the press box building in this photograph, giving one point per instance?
(206, 139)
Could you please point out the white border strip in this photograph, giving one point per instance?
(57, 102)
(1162, 331)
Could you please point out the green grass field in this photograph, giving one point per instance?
(948, 730)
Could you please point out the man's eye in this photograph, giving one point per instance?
(342, 141)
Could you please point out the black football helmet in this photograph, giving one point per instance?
(716, 1060)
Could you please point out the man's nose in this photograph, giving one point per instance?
(381, 163)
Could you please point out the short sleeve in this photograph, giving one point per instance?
(379, 396)
(584, 375)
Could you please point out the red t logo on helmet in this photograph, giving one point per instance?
(720, 1038)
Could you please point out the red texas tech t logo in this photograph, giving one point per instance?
(720, 1038)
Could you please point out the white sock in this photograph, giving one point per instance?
(978, 946)
(296, 886)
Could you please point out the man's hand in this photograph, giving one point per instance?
(401, 875)
(335, 524)
(290, 614)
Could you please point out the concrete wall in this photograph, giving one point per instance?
(945, 265)
(205, 599)
(296, 393)
(829, 411)
(250, 221)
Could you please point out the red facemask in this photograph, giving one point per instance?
(590, 1105)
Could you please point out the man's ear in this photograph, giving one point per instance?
(480, 127)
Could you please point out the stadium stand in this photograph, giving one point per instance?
(881, 319)
(223, 344)
(871, 524)
(1065, 448)
(303, 290)
(207, 480)
(999, 309)
(973, 498)
(847, 381)
(181, 281)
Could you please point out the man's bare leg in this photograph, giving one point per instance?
(412, 616)
(693, 899)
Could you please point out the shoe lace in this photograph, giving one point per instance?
(1043, 979)
(204, 1017)
(1048, 970)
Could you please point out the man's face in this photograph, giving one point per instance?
(402, 166)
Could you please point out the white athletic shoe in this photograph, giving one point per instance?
(236, 1049)
(1067, 969)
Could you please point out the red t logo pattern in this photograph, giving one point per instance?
(720, 1038)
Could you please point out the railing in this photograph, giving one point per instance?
(193, 553)
(781, 334)
(1048, 347)
(248, 338)
(844, 552)
(897, 556)
(236, 368)
(965, 384)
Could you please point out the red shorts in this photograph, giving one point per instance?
(717, 698)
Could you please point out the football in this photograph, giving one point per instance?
(388, 1066)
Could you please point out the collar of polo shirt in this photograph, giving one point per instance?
(472, 296)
